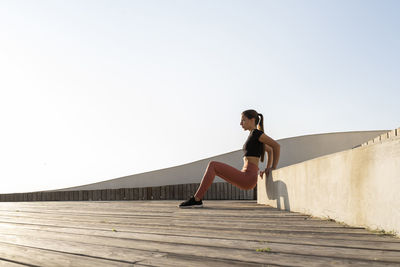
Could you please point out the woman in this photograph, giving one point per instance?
(254, 149)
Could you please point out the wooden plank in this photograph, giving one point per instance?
(103, 194)
(126, 239)
(241, 194)
(68, 195)
(96, 194)
(150, 193)
(168, 192)
(117, 194)
(32, 256)
(159, 192)
(71, 195)
(215, 191)
(180, 192)
(212, 191)
(141, 193)
(145, 193)
(207, 195)
(245, 194)
(207, 233)
(237, 191)
(187, 191)
(122, 194)
(100, 193)
(248, 194)
(218, 193)
(136, 193)
(175, 191)
(206, 229)
(238, 225)
(195, 186)
(127, 195)
(133, 194)
(7, 263)
(224, 191)
(89, 194)
(200, 247)
(228, 191)
(111, 256)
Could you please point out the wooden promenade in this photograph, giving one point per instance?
(157, 233)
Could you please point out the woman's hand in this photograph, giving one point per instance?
(267, 171)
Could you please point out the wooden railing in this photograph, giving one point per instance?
(222, 191)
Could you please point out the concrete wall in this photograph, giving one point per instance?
(359, 186)
(293, 150)
(383, 137)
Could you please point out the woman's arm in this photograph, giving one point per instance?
(269, 151)
(276, 149)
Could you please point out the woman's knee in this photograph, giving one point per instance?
(212, 163)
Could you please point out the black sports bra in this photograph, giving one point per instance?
(253, 147)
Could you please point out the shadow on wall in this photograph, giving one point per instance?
(277, 190)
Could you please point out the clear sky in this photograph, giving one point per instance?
(94, 90)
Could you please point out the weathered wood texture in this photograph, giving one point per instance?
(157, 233)
(220, 191)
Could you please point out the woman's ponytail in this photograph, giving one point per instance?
(260, 125)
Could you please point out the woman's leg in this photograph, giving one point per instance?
(228, 173)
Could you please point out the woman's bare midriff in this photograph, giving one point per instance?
(254, 160)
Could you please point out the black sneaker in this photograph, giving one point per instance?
(191, 203)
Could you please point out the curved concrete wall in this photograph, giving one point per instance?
(293, 150)
(359, 186)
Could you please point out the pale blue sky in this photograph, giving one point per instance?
(94, 90)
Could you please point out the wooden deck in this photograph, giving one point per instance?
(157, 233)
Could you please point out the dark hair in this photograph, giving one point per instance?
(259, 119)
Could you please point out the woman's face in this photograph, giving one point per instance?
(247, 123)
